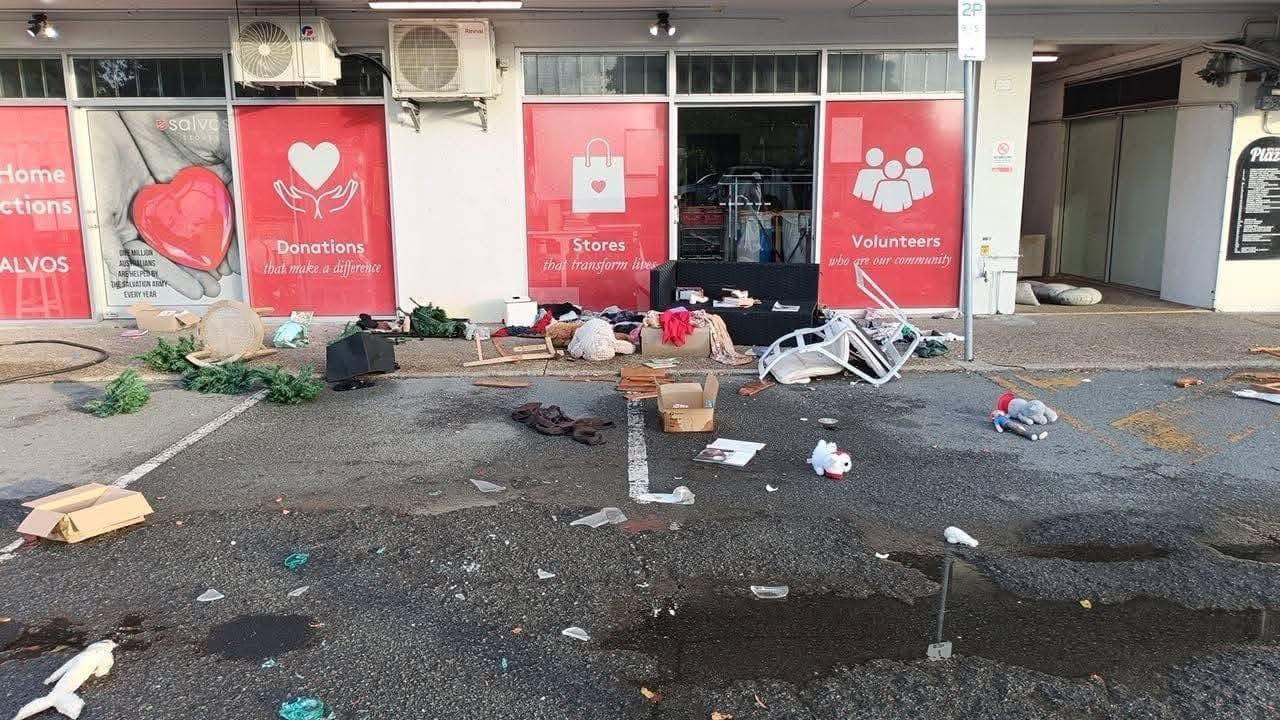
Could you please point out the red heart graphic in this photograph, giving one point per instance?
(187, 220)
(598, 186)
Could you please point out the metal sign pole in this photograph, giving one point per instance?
(967, 268)
(971, 37)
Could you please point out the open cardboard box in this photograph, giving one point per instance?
(696, 344)
(689, 406)
(84, 512)
(150, 317)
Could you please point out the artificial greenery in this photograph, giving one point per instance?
(431, 321)
(171, 356)
(290, 389)
(231, 378)
(235, 378)
(126, 394)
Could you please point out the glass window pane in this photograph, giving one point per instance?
(700, 74)
(547, 77)
(914, 72)
(634, 75)
(171, 78)
(214, 82)
(148, 76)
(807, 73)
(766, 74)
(610, 74)
(721, 74)
(852, 72)
(955, 73)
(743, 69)
(786, 73)
(655, 74)
(567, 75)
(873, 72)
(893, 67)
(529, 65)
(683, 63)
(591, 74)
(835, 72)
(32, 78)
(10, 85)
(53, 79)
(83, 71)
(935, 72)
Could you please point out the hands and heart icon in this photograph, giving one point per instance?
(315, 165)
(188, 219)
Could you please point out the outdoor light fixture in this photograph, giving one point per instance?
(446, 4)
(39, 26)
(1044, 57)
(663, 26)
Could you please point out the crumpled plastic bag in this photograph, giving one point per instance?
(291, 334)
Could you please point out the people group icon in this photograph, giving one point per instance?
(890, 187)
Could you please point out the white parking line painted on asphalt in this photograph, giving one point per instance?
(6, 552)
(201, 433)
(637, 453)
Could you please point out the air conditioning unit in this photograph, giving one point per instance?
(283, 51)
(443, 59)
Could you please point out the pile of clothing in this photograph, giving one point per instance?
(678, 322)
(549, 420)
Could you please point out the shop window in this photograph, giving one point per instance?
(911, 71)
(698, 74)
(594, 74)
(31, 78)
(360, 79)
(167, 77)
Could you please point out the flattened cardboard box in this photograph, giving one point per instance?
(84, 512)
(150, 317)
(689, 407)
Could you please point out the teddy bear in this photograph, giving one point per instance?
(829, 460)
(1031, 412)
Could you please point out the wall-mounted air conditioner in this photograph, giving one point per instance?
(443, 59)
(283, 51)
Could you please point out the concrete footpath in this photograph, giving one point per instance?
(1058, 341)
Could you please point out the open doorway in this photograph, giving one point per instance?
(745, 179)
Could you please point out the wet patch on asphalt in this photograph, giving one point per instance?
(258, 637)
(23, 642)
(1262, 552)
(725, 635)
(1139, 552)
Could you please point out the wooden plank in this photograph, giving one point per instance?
(752, 389)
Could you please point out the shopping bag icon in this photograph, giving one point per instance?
(598, 181)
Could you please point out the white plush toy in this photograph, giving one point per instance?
(829, 460)
(94, 661)
(1031, 412)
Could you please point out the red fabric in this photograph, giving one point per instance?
(676, 326)
(544, 320)
(1003, 403)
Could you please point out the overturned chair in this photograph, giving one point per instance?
(807, 353)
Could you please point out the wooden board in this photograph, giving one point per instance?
(752, 389)
(500, 383)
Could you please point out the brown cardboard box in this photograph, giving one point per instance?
(150, 317)
(83, 512)
(689, 407)
(696, 344)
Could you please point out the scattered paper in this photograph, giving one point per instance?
(650, 695)
(544, 575)
(299, 592)
(717, 715)
(486, 487)
(779, 307)
(882, 556)
(1255, 395)
(210, 595)
(770, 488)
(736, 453)
(606, 516)
(576, 633)
(770, 592)
(680, 496)
(269, 663)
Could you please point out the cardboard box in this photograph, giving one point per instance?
(689, 407)
(84, 512)
(696, 344)
(150, 317)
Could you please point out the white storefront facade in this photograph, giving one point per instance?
(133, 169)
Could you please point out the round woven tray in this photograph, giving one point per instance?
(230, 329)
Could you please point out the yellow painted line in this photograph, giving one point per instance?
(1052, 383)
(1065, 417)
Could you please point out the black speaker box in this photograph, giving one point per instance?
(357, 355)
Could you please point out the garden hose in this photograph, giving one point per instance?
(102, 356)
